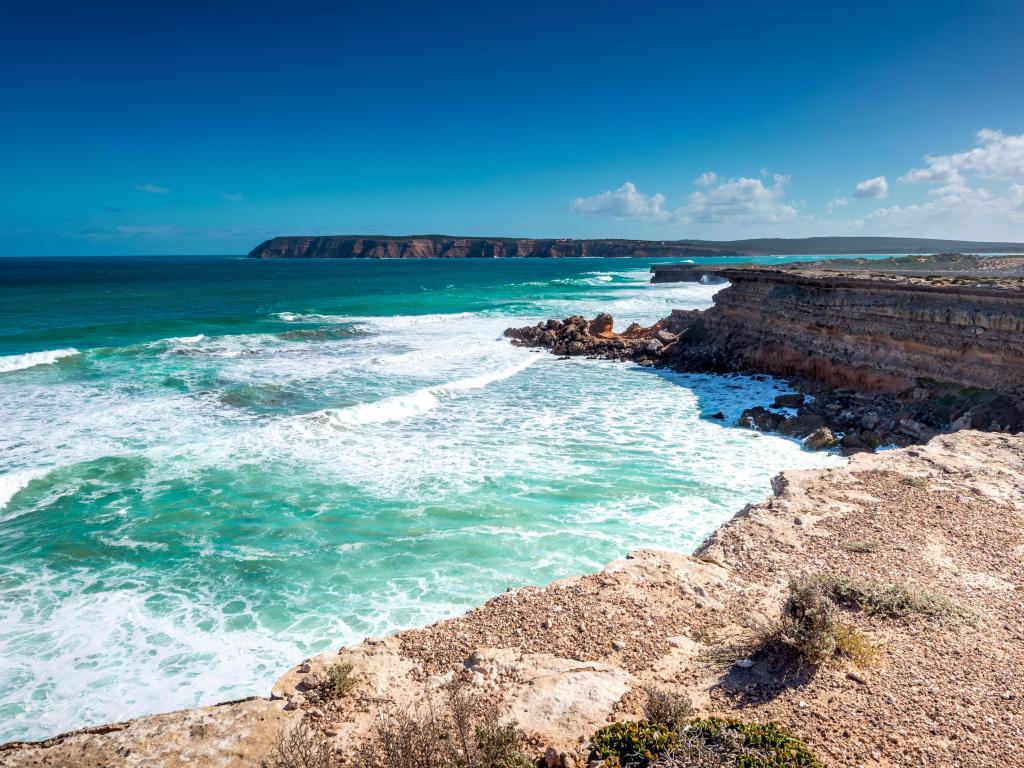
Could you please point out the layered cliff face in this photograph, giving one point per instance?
(864, 332)
(443, 247)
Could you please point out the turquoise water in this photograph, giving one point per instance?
(213, 468)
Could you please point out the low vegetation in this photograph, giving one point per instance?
(303, 746)
(810, 623)
(668, 707)
(913, 482)
(696, 743)
(462, 732)
(337, 680)
(896, 600)
(861, 546)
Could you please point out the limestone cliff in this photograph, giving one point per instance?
(444, 247)
(866, 332)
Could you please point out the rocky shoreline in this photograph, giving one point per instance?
(923, 346)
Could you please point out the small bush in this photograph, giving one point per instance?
(861, 546)
(914, 482)
(463, 733)
(667, 707)
(809, 621)
(338, 679)
(301, 747)
(894, 599)
(811, 626)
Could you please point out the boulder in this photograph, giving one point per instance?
(801, 425)
(820, 439)
(788, 401)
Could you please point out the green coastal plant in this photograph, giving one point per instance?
(338, 679)
(632, 744)
(703, 743)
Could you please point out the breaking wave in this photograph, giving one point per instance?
(10, 363)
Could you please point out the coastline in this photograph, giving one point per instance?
(937, 696)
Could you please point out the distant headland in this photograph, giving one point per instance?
(450, 247)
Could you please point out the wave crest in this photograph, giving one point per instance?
(401, 407)
(10, 363)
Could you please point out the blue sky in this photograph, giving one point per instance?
(205, 127)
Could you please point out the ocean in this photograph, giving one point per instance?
(212, 468)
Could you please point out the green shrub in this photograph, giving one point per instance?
(861, 546)
(752, 745)
(913, 482)
(338, 679)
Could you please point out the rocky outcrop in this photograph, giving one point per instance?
(892, 359)
(444, 247)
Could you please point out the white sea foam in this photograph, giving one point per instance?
(10, 363)
(13, 482)
(401, 407)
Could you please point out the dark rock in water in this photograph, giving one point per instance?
(802, 425)
(718, 415)
(788, 401)
(761, 419)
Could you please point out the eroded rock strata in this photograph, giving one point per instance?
(565, 659)
(890, 359)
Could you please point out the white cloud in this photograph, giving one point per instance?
(152, 189)
(742, 200)
(719, 201)
(626, 202)
(997, 156)
(232, 197)
(956, 211)
(876, 187)
(836, 202)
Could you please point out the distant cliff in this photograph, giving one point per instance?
(445, 247)
(448, 247)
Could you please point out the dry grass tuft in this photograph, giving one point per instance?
(464, 732)
(668, 707)
(861, 546)
(301, 747)
(896, 600)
